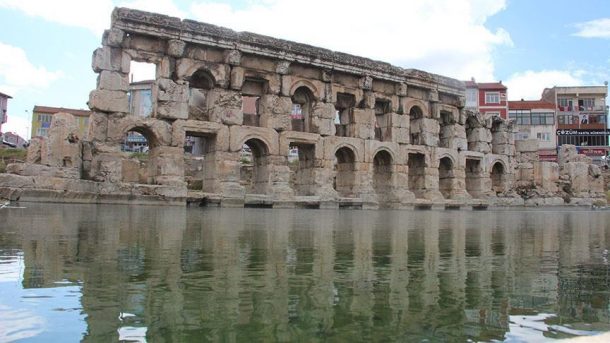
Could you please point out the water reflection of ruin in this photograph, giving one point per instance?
(232, 275)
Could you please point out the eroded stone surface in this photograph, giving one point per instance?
(233, 118)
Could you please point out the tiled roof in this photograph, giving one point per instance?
(53, 110)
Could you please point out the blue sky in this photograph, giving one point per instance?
(46, 46)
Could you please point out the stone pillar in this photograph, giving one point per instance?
(62, 148)
(228, 175)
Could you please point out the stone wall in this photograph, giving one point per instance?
(322, 128)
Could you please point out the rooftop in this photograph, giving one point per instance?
(530, 105)
(53, 110)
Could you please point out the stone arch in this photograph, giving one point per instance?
(353, 148)
(416, 116)
(419, 104)
(157, 133)
(269, 147)
(383, 172)
(446, 175)
(255, 165)
(344, 180)
(303, 101)
(202, 78)
(307, 84)
(498, 176)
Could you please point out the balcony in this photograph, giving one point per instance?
(578, 109)
(581, 121)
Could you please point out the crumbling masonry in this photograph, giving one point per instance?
(367, 134)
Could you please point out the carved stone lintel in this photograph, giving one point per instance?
(366, 82)
(327, 76)
(282, 67)
(175, 47)
(233, 57)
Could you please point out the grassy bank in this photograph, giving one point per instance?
(10, 155)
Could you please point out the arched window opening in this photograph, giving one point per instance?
(383, 122)
(345, 172)
(344, 114)
(498, 178)
(199, 85)
(416, 116)
(302, 103)
(254, 166)
(446, 129)
(301, 160)
(135, 168)
(252, 90)
(383, 174)
(473, 177)
(417, 174)
(446, 177)
(200, 161)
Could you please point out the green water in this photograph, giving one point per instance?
(109, 273)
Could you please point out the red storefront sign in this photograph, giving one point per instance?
(592, 151)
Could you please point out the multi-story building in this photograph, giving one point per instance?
(582, 115)
(488, 98)
(535, 119)
(42, 115)
(3, 107)
(14, 140)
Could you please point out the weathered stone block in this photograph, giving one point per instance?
(113, 59)
(114, 37)
(113, 81)
(526, 145)
(479, 134)
(172, 99)
(34, 150)
(98, 126)
(237, 78)
(232, 57)
(483, 147)
(503, 149)
(175, 47)
(225, 106)
(275, 112)
(108, 101)
(364, 116)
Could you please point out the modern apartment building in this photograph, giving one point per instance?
(535, 119)
(489, 98)
(42, 115)
(582, 117)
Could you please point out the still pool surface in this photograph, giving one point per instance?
(73, 273)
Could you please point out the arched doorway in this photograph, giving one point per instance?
(254, 166)
(498, 178)
(345, 172)
(417, 174)
(199, 84)
(136, 145)
(416, 115)
(382, 174)
(445, 177)
(302, 104)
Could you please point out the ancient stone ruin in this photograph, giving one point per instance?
(270, 122)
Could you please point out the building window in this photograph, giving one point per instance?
(543, 136)
(586, 104)
(543, 118)
(492, 97)
(564, 104)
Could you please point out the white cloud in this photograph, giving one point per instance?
(530, 84)
(92, 15)
(19, 124)
(598, 28)
(166, 7)
(17, 72)
(444, 36)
